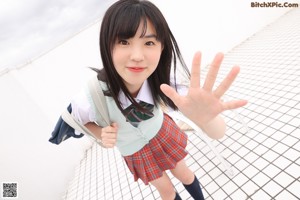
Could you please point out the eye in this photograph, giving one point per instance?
(123, 42)
(150, 43)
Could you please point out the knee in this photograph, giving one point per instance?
(165, 188)
(186, 178)
(169, 189)
(183, 174)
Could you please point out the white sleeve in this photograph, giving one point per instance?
(82, 110)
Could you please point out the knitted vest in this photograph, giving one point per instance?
(130, 139)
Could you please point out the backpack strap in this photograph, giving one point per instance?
(71, 121)
(101, 107)
(99, 99)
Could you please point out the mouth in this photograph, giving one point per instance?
(136, 69)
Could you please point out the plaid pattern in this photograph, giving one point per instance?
(162, 153)
(134, 116)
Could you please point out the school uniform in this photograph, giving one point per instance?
(149, 147)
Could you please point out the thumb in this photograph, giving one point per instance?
(114, 125)
(171, 93)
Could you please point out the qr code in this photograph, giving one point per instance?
(10, 190)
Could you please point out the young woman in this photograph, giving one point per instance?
(138, 51)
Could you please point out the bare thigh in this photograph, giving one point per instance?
(164, 187)
(183, 173)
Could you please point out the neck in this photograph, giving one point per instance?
(133, 90)
(134, 93)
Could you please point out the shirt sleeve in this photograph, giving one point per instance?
(82, 110)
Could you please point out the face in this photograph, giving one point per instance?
(135, 59)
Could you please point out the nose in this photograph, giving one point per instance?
(136, 54)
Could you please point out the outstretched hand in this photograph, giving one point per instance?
(202, 104)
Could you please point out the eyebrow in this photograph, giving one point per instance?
(150, 36)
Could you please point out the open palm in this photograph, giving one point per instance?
(202, 104)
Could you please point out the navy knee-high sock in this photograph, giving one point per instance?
(195, 190)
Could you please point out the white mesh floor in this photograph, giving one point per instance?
(265, 159)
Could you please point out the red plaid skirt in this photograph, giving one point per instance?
(163, 152)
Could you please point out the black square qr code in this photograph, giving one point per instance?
(10, 190)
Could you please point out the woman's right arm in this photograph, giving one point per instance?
(83, 112)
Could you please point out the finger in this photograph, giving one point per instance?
(115, 125)
(107, 130)
(227, 82)
(234, 104)
(195, 71)
(107, 145)
(109, 141)
(107, 136)
(111, 129)
(213, 72)
(171, 93)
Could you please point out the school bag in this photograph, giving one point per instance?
(101, 107)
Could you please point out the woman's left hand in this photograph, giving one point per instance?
(202, 104)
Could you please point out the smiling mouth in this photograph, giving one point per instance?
(136, 69)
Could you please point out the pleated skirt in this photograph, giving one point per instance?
(162, 153)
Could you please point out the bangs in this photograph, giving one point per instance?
(121, 21)
(129, 22)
